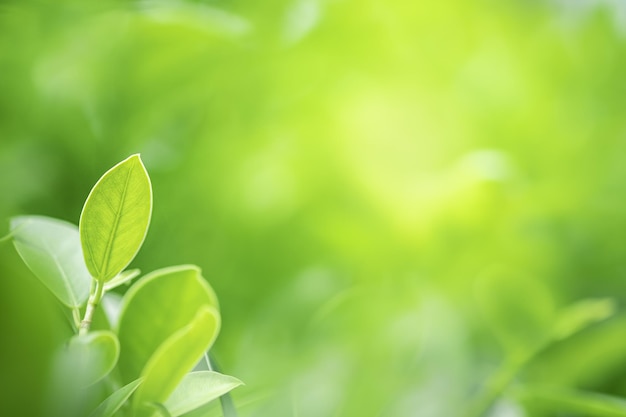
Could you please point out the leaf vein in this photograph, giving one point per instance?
(118, 216)
(64, 276)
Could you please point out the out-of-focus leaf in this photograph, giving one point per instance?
(115, 218)
(582, 314)
(226, 401)
(157, 409)
(580, 403)
(197, 389)
(111, 307)
(519, 310)
(51, 249)
(176, 357)
(199, 16)
(122, 278)
(583, 358)
(157, 306)
(90, 357)
(228, 406)
(115, 401)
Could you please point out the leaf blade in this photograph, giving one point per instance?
(581, 315)
(159, 409)
(176, 357)
(586, 403)
(150, 313)
(89, 358)
(115, 401)
(51, 249)
(115, 218)
(199, 388)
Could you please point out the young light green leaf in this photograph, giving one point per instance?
(152, 312)
(582, 314)
(197, 389)
(122, 278)
(176, 357)
(90, 357)
(51, 249)
(116, 400)
(115, 218)
(577, 402)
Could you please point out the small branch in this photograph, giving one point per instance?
(94, 301)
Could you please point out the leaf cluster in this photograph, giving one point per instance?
(140, 359)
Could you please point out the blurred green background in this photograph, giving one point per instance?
(346, 173)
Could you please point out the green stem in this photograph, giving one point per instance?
(226, 401)
(94, 301)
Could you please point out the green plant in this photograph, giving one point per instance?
(522, 314)
(132, 355)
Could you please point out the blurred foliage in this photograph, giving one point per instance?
(346, 173)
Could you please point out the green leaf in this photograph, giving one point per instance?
(116, 400)
(582, 314)
(90, 357)
(51, 249)
(157, 409)
(176, 357)
(122, 278)
(155, 307)
(199, 388)
(582, 358)
(583, 403)
(115, 218)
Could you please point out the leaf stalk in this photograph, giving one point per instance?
(92, 304)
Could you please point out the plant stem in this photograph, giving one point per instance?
(226, 401)
(94, 300)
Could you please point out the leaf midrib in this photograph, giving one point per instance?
(118, 216)
(66, 283)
